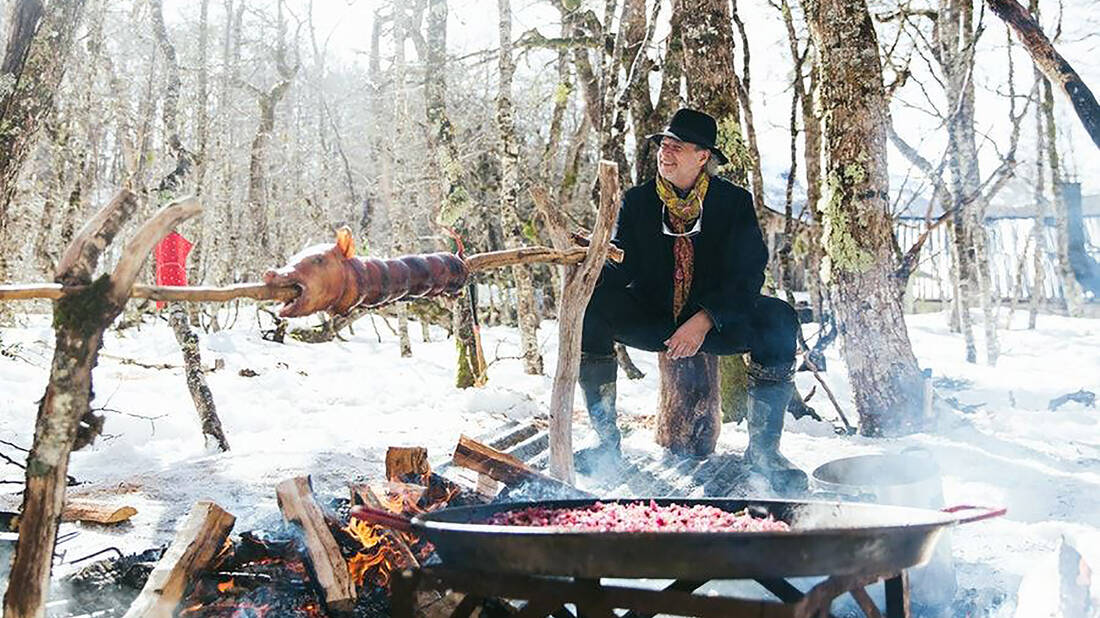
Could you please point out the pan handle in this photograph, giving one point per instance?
(987, 512)
(379, 517)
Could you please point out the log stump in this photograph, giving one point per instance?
(689, 412)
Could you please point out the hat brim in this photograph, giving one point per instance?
(657, 137)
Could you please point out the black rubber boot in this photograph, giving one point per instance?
(597, 382)
(769, 391)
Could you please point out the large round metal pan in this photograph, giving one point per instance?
(826, 538)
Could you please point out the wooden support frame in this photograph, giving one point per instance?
(546, 596)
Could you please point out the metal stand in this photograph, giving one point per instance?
(548, 596)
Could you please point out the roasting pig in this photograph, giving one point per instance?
(330, 278)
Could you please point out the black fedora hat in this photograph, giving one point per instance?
(696, 127)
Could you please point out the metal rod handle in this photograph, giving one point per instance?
(988, 512)
(381, 518)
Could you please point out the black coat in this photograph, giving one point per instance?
(730, 254)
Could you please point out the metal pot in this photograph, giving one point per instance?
(909, 478)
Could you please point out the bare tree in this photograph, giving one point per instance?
(858, 239)
(40, 39)
(509, 196)
(259, 198)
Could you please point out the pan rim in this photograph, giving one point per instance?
(929, 519)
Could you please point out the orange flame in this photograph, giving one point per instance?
(225, 586)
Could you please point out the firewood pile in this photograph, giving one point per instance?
(318, 563)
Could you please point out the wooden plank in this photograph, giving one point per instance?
(197, 542)
(402, 461)
(330, 570)
(94, 512)
(865, 603)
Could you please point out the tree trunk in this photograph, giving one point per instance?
(170, 186)
(706, 37)
(402, 241)
(452, 196)
(689, 408)
(188, 341)
(37, 50)
(955, 40)
(706, 34)
(1071, 290)
(734, 386)
(885, 377)
(259, 194)
(509, 196)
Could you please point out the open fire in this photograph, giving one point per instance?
(261, 576)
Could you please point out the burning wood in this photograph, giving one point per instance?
(258, 576)
(197, 542)
(298, 505)
(369, 536)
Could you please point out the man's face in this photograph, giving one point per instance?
(680, 162)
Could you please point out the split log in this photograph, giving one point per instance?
(330, 570)
(93, 512)
(689, 415)
(197, 543)
(577, 285)
(64, 414)
(502, 467)
(405, 462)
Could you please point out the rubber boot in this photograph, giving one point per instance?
(597, 382)
(769, 391)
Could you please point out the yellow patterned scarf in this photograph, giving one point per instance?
(682, 213)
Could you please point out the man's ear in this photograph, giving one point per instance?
(344, 242)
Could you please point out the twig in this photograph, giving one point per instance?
(15, 446)
(13, 462)
(813, 368)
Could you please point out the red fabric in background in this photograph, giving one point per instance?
(171, 261)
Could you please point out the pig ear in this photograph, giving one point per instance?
(345, 243)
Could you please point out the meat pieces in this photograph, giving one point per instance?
(640, 517)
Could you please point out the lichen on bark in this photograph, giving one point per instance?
(842, 250)
(83, 312)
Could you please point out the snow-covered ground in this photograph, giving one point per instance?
(330, 410)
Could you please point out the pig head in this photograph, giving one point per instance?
(330, 278)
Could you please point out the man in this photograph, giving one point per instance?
(690, 282)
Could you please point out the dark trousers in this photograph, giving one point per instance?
(768, 330)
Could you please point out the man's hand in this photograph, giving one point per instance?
(686, 340)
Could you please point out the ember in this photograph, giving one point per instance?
(257, 577)
(641, 517)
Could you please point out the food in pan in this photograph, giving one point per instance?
(640, 517)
